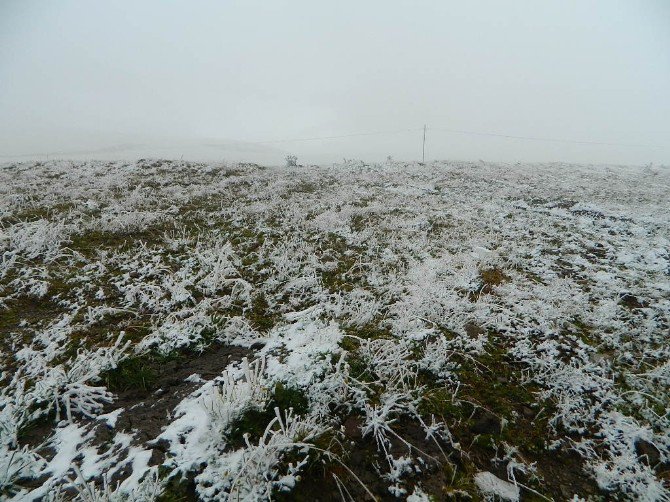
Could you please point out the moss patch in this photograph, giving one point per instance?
(492, 277)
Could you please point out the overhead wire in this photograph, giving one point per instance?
(457, 131)
(535, 138)
(374, 133)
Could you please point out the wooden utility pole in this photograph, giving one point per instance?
(423, 151)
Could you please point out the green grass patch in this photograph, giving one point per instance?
(254, 421)
(132, 373)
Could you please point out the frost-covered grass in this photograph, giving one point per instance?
(449, 330)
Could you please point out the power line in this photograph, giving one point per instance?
(457, 131)
(334, 137)
(535, 138)
(397, 131)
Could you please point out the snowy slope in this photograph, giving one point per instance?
(395, 330)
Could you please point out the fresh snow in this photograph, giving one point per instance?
(361, 287)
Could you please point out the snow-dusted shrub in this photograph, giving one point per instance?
(255, 471)
(40, 238)
(291, 161)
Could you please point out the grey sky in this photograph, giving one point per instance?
(121, 79)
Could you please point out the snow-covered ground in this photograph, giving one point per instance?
(398, 330)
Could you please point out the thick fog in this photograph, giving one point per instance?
(234, 79)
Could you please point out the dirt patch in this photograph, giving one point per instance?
(495, 408)
(451, 478)
(563, 475)
(491, 278)
(473, 330)
(362, 457)
(146, 410)
(21, 314)
(631, 301)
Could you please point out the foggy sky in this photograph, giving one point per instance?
(213, 79)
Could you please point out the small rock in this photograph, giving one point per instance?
(488, 423)
(162, 445)
(647, 452)
(157, 456)
(528, 412)
(492, 487)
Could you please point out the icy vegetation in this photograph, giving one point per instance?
(183, 331)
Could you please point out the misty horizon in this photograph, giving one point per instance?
(566, 81)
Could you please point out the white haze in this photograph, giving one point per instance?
(213, 79)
